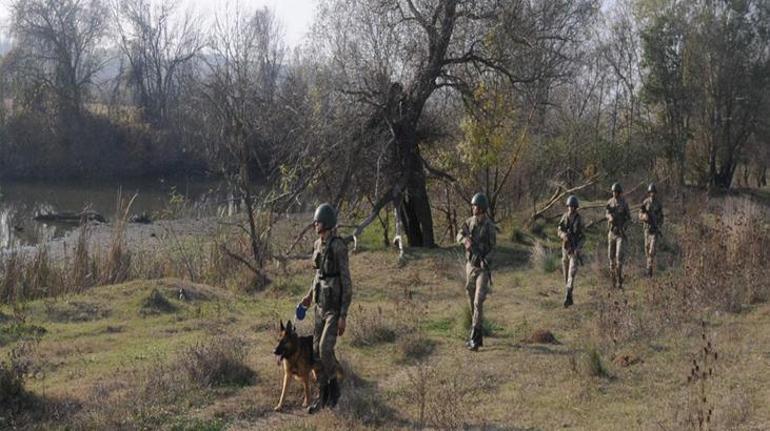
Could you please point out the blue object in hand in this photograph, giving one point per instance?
(300, 312)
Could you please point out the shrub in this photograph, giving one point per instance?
(440, 393)
(372, 328)
(13, 370)
(414, 348)
(589, 363)
(156, 303)
(543, 258)
(218, 362)
(724, 260)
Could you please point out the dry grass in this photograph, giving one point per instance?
(13, 371)
(543, 258)
(407, 367)
(116, 266)
(372, 327)
(217, 362)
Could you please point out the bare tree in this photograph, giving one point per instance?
(59, 42)
(393, 55)
(243, 114)
(157, 42)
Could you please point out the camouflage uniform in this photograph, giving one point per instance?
(571, 233)
(477, 272)
(651, 214)
(618, 209)
(332, 292)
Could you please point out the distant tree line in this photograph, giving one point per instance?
(404, 104)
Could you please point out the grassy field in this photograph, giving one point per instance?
(136, 356)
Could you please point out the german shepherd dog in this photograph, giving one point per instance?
(296, 355)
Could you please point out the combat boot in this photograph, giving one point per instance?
(473, 343)
(334, 394)
(321, 401)
(568, 300)
(614, 276)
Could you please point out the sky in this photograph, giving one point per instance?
(295, 16)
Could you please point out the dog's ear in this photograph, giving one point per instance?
(282, 327)
(289, 328)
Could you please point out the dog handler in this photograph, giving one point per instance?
(331, 291)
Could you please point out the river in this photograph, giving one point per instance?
(20, 202)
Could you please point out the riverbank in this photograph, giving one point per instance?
(136, 237)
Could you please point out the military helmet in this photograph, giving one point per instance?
(616, 187)
(651, 188)
(480, 200)
(572, 201)
(326, 215)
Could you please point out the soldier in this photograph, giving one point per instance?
(618, 215)
(651, 214)
(331, 291)
(571, 233)
(478, 237)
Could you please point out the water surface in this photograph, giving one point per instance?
(21, 201)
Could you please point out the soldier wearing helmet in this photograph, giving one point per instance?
(332, 291)
(651, 214)
(478, 236)
(570, 231)
(618, 215)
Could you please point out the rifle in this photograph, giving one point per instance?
(572, 241)
(651, 220)
(475, 257)
(614, 223)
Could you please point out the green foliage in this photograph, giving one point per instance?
(175, 206)
(372, 238)
(488, 131)
(14, 369)
(15, 331)
(443, 326)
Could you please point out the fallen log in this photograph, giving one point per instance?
(69, 217)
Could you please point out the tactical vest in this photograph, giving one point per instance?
(328, 293)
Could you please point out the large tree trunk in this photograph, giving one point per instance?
(723, 179)
(415, 212)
